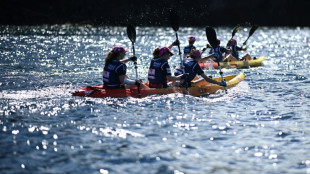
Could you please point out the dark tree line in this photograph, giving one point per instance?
(154, 12)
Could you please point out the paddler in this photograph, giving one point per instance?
(190, 46)
(219, 51)
(192, 68)
(114, 73)
(159, 72)
(235, 51)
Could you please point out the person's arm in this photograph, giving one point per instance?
(121, 71)
(209, 79)
(130, 82)
(133, 58)
(175, 43)
(170, 46)
(125, 60)
(243, 48)
(121, 79)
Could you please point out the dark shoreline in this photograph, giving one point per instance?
(154, 13)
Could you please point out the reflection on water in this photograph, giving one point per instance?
(260, 126)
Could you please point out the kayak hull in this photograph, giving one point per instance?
(200, 89)
(235, 64)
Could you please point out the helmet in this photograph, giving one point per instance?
(191, 38)
(118, 49)
(164, 50)
(195, 53)
(233, 42)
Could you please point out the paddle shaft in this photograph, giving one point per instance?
(135, 62)
(212, 39)
(175, 26)
(182, 63)
(244, 43)
(180, 54)
(221, 73)
(136, 68)
(131, 32)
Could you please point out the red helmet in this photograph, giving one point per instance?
(191, 38)
(164, 50)
(118, 49)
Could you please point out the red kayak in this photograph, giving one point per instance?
(200, 89)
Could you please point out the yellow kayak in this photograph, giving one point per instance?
(236, 64)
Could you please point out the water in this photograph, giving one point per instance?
(260, 126)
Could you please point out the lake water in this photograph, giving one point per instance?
(261, 126)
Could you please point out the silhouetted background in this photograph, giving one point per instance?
(154, 12)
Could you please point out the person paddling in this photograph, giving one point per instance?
(159, 71)
(192, 68)
(190, 46)
(219, 51)
(235, 51)
(114, 74)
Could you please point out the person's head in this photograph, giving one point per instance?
(195, 54)
(233, 42)
(191, 39)
(165, 53)
(117, 52)
(156, 52)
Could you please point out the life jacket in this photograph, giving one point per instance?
(188, 49)
(218, 53)
(111, 74)
(192, 68)
(158, 71)
(235, 52)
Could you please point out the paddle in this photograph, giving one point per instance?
(174, 20)
(233, 33)
(131, 33)
(212, 39)
(252, 30)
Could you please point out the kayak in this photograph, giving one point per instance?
(235, 64)
(200, 89)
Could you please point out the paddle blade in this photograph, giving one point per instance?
(253, 29)
(131, 33)
(235, 31)
(174, 20)
(211, 36)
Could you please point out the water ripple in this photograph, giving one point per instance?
(260, 126)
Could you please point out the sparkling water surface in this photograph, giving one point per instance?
(261, 126)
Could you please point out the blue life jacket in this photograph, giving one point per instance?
(111, 74)
(158, 71)
(188, 49)
(235, 52)
(192, 68)
(218, 53)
